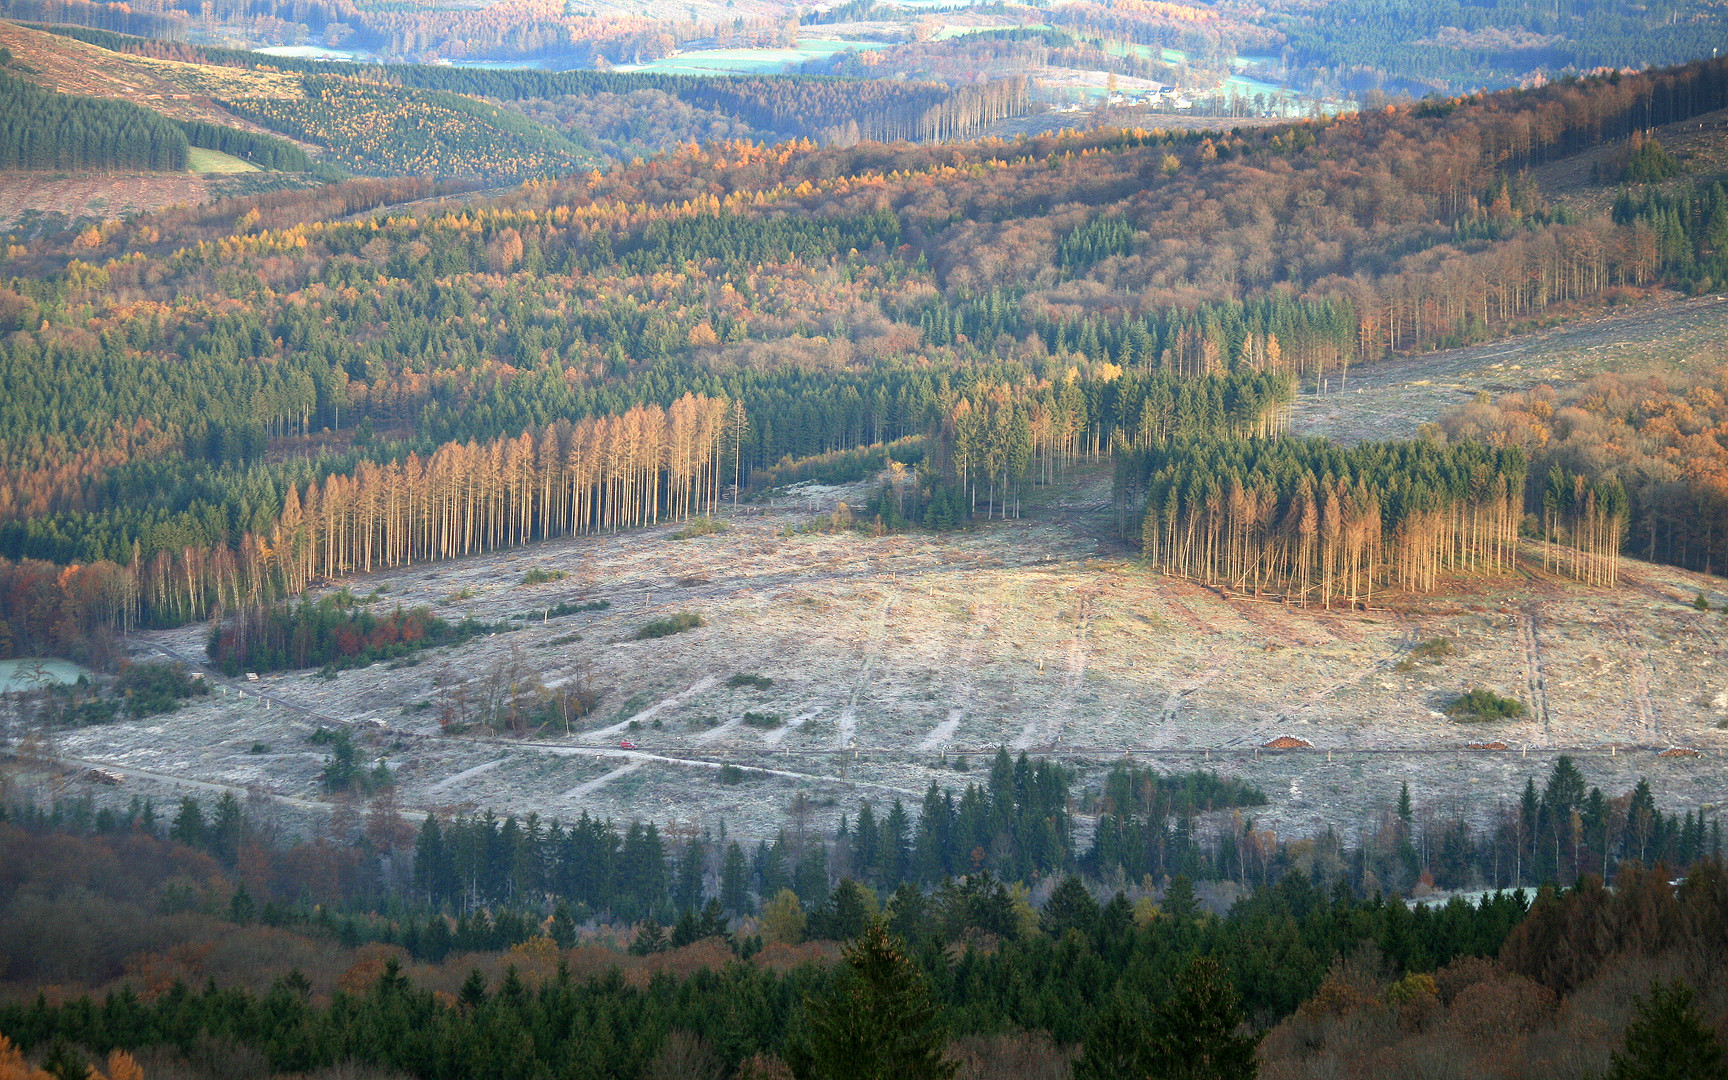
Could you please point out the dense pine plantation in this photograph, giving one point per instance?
(261, 150)
(1317, 523)
(45, 130)
(1690, 230)
(369, 128)
(40, 129)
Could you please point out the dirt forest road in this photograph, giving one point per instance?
(1391, 399)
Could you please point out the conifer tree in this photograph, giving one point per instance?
(878, 1022)
(1070, 907)
(1666, 1040)
(563, 929)
(1196, 1032)
(1179, 903)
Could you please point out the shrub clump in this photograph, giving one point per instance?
(1480, 705)
(759, 682)
(537, 576)
(701, 526)
(763, 720)
(673, 624)
(1428, 652)
(150, 689)
(343, 770)
(333, 634)
(561, 610)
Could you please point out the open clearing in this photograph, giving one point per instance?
(180, 91)
(85, 196)
(1391, 399)
(892, 658)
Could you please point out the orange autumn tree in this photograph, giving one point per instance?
(14, 1066)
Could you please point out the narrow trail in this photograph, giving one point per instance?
(714, 734)
(602, 734)
(778, 735)
(940, 735)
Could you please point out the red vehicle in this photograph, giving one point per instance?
(626, 745)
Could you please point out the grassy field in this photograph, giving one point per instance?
(200, 160)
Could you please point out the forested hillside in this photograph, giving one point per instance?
(1662, 441)
(776, 108)
(330, 950)
(1449, 46)
(376, 130)
(45, 130)
(998, 299)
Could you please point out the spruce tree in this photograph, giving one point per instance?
(734, 881)
(1666, 1040)
(1116, 1044)
(1192, 1035)
(878, 1022)
(1196, 1032)
(1070, 907)
(563, 929)
(1179, 902)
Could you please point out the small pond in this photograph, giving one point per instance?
(31, 673)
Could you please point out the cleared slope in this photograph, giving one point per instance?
(73, 67)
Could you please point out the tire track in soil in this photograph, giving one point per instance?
(1535, 678)
(1171, 592)
(848, 722)
(1327, 630)
(1279, 725)
(1073, 678)
(960, 690)
(1249, 611)
(1640, 667)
